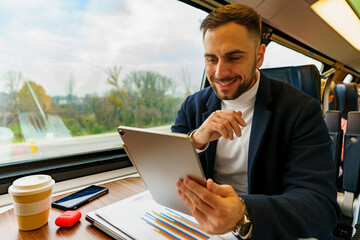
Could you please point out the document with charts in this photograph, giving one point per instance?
(140, 217)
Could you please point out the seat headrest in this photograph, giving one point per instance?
(333, 120)
(347, 98)
(353, 123)
(306, 78)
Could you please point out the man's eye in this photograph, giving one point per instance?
(234, 58)
(211, 60)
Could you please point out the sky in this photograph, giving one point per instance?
(51, 42)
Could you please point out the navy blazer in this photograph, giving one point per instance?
(291, 174)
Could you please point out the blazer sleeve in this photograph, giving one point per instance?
(190, 113)
(182, 124)
(307, 208)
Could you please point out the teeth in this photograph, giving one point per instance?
(225, 83)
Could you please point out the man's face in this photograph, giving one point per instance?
(231, 58)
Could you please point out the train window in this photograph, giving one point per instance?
(72, 71)
(277, 55)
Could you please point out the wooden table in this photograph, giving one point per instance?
(83, 229)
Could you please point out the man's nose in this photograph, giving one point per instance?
(222, 69)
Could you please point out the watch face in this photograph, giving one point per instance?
(236, 231)
(244, 229)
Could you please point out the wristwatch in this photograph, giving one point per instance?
(244, 226)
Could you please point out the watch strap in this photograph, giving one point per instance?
(244, 226)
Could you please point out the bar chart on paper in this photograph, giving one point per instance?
(174, 226)
(142, 218)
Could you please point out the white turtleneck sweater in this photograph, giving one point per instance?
(231, 160)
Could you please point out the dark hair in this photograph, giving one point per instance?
(238, 13)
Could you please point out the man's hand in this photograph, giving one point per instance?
(220, 123)
(217, 208)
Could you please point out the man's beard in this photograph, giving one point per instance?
(243, 87)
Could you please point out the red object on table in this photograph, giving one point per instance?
(68, 218)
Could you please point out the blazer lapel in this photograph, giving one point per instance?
(260, 123)
(213, 104)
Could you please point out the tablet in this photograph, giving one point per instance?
(161, 159)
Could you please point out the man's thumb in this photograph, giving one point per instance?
(221, 190)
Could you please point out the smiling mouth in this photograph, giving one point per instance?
(226, 83)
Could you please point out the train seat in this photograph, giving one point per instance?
(346, 97)
(350, 202)
(305, 78)
(333, 122)
(351, 174)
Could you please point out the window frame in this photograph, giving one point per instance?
(65, 167)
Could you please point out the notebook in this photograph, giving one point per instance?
(140, 217)
(161, 159)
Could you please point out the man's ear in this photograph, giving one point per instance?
(260, 53)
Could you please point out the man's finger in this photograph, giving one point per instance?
(201, 218)
(232, 120)
(220, 128)
(197, 204)
(185, 199)
(225, 125)
(239, 118)
(202, 194)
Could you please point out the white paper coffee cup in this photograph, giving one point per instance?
(32, 200)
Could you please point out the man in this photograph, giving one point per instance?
(263, 145)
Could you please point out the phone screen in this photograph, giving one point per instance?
(77, 199)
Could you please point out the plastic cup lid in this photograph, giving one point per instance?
(31, 185)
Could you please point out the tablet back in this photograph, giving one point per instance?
(162, 159)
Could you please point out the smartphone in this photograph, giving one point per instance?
(79, 198)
